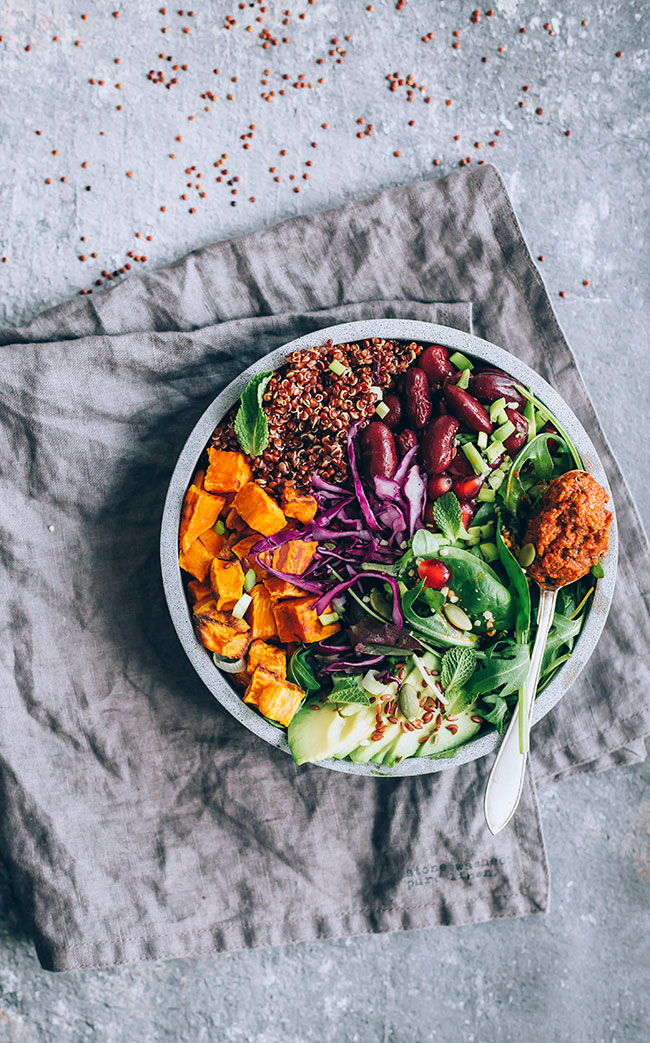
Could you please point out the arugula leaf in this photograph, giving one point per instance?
(301, 671)
(504, 669)
(497, 714)
(458, 665)
(542, 409)
(347, 690)
(543, 467)
(448, 516)
(563, 632)
(518, 579)
(251, 425)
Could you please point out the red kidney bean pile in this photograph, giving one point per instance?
(310, 409)
(427, 408)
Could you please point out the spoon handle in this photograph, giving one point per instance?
(506, 781)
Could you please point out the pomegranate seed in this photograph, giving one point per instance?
(467, 488)
(434, 573)
(467, 513)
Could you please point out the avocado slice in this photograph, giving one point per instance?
(375, 751)
(316, 735)
(447, 740)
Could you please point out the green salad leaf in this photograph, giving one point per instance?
(543, 467)
(433, 626)
(479, 589)
(346, 689)
(518, 579)
(301, 671)
(497, 714)
(448, 516)
(251, 425)
(458, 665)
(541, 408)
(502, 670)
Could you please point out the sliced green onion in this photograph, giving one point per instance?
(474, 541)
(529, 414)
(460, 361)
(489, 551)
(241, 607)
(496, 479)
(496, 407)
(494, 451)
(463, 383)
(486, 530)
(482, 440)
(504, 431)
(328, 617)
(337, 367)
(474, 530)
(475, 458)
(250, 579)
(382, 410)
(486, 495)
(219, 528)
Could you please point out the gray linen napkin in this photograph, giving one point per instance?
(140, 821)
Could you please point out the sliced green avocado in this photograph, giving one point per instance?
(447, 740)
(406, 744)
(316, 735)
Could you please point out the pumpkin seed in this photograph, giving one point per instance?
(527, 555)
(380, 604)
(457, 617)
(409, 702)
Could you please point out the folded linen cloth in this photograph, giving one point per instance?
(139, 820)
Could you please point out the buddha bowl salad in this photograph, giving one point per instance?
(352, 539)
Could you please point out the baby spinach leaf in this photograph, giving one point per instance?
(479, 589)
(545, 412)
(458, 665)
(448, 516)
(301, 671)
(251, 425)
(518, 579)
(597, 569)
(434, 626)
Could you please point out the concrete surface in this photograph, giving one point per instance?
(579, 974)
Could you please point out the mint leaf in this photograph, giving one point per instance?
(447, 515)
(346, 690)
(251, 425)
(458, 665)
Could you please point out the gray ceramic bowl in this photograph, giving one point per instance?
(398, 329)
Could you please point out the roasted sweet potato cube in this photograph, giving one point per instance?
(227, 582)
(297, 621)
(242, 548)
(298, 505)
(221, 632)
(200, 512)
(196, 560)
(293, 557)
(235, 523)
(260, 613)
(227, 472)
(274, 697)
(259, 510)
(262, 654)
(199, 591)
(214, 541)
(282, 588)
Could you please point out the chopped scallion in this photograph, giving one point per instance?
(337, 367)
(460, 361)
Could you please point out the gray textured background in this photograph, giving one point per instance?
(580, 973)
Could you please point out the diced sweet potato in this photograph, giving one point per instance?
(227, 582)
(298, 505)
(275, 698)
(235, 523)
(227, 472)
(214, 541)
(199, 591)
(200, 512)
(260, 613)
(221, 632)
(293, 557)
(196, 560)
(297, 621)
(259, 510)
(242, 548)
(262, 654)
(281, 588)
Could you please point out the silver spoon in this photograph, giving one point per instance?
(506, 780)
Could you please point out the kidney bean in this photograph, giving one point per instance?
(468, 488)
(491, 384)
(438, 486)
(440, 407)
(395, 412)
(466, 513)
(467, 409)
(438, 444)
(428, 513)
(434, 360)
(460, 465)
(497, 462)
(518, 437)
(378, 449)
(406, 439)
(418, 398)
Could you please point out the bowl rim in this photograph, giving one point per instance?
(347, 332)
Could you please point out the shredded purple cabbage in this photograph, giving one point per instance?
(366, 510)
(415, 494)
(326, 598)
